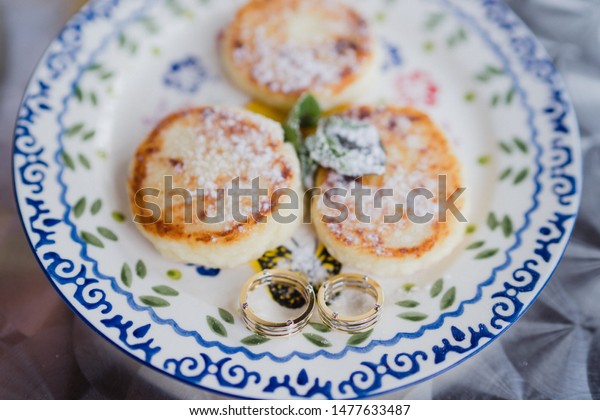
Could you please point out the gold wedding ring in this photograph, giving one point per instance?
(349, 324)
(267, 328)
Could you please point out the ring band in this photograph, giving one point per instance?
(350, 324)
(293, 280)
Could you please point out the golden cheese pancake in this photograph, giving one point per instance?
(183, 173)
(276, 50)
(377, 237)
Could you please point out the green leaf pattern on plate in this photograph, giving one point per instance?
(79, 207)
(437, 288)
(96, 207)
(408, 303)
(489, 73)
(317, 340)
(84, 161)
(408, 287)
(507, 226)
(492, 221)
(74, 129)
(486, 254)
(359, 338)
(126, 276)
(92, 239)
(320, 327)
(140, 269)
(459, 36)
(448, 298)
(107, 234)
(505, 174)
(226, 316)
(476, 245)
(254, 340)
(89, 135)
(68, 160)
(413, 316)
(216, 326)
(165, 291)
(521, 176)
(154, 301)
(118, 216)
(434, 20)
(484, 160)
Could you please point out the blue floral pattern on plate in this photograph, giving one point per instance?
(186, 75)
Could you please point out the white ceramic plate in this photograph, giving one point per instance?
(120, 66)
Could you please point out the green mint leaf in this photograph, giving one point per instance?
(306, 112)
(309, 168)
(293, 136)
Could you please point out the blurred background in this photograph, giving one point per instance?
(553, 352)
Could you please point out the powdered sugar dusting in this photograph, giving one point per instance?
(228, 146)
(223, 146)
(305, 260)
(296, 45)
